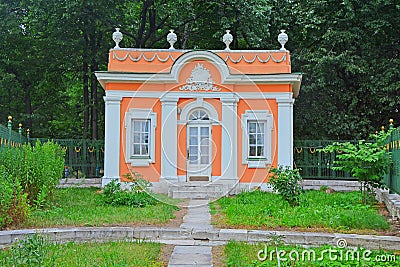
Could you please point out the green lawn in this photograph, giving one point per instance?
(318, 210)
(85, 254)
(243, 255)
(83, 207)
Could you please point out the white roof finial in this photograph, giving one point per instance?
(227, 39)
(282, 39)
(117, 37)
(172, 38)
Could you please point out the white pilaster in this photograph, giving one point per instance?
(112, 139)
(285, 132)
(169, 137)
(229, 138)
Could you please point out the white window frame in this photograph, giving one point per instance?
(260, 116)
(140, 114)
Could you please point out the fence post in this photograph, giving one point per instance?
(9, 125)
(20, 133)
(28, 134)
(392, 165)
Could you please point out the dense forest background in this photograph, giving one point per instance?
(348, 52)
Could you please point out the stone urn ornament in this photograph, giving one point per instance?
(227, 39)
(117, 37)
(172, 38)
(282, 39)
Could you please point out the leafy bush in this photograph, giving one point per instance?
(286, 182)
(136, 196)
(367, 161)
(38, 169)
(14, 208)
(31, 251)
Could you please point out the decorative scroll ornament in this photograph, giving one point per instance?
(117, 37)
(282, 39)
(199, 80)
(172, 38)
(143, 56)
(227, 39)
(256, 57)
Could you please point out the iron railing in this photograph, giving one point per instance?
(314, 164)
(392, 179)
(10, 138)
(84, 158)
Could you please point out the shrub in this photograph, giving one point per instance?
(286, 182)
(38, 168)
(136, 196)
(14, 207)
(31, 251)
(367, 161)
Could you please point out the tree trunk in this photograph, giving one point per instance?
(28, 108)
(85, 71)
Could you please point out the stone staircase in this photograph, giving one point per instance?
(201, 190)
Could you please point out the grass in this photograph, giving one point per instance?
(242, 254)
(318, 210)
(83, 207)
(87, 254)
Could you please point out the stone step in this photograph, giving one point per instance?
(196, 194)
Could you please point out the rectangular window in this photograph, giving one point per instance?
(141, 138)
(256, 139)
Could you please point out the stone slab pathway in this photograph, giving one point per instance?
(198, 217)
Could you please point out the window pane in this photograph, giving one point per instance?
(252, 127)
(204, 160)
(136, 149)
(193, 150)
(260, 151)
(193, 140)
(136, 126)
(204, 150)
(145, 150)
(260, 139)
(136, 138)
(145, 138)
(146, 126)
(204, 131)
(252, 151)
(260, 127)
(193, 131)
(252, 139)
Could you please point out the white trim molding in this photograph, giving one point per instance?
(199, 103)
(112, 141)
(169, 138)
(285, 132)
(260, 116)
(140, 114)
(229, 138)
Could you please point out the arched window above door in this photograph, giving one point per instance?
(199, 114)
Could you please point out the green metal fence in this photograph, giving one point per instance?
(314, 164)
(10, 138)
(392, 179)
(83, 157)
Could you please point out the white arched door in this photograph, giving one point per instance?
(199, 149)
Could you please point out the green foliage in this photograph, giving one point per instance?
(14, 207)
(136, 196)
(73, 254)
(339, 212)
(367, 161)
(38, 168)
(243, 254)
(31, 251)
(286, 182)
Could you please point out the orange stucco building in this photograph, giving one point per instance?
(182, 116)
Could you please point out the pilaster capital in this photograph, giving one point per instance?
(285, 101)
(110, 99)
(169, 100)
(229, 100)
